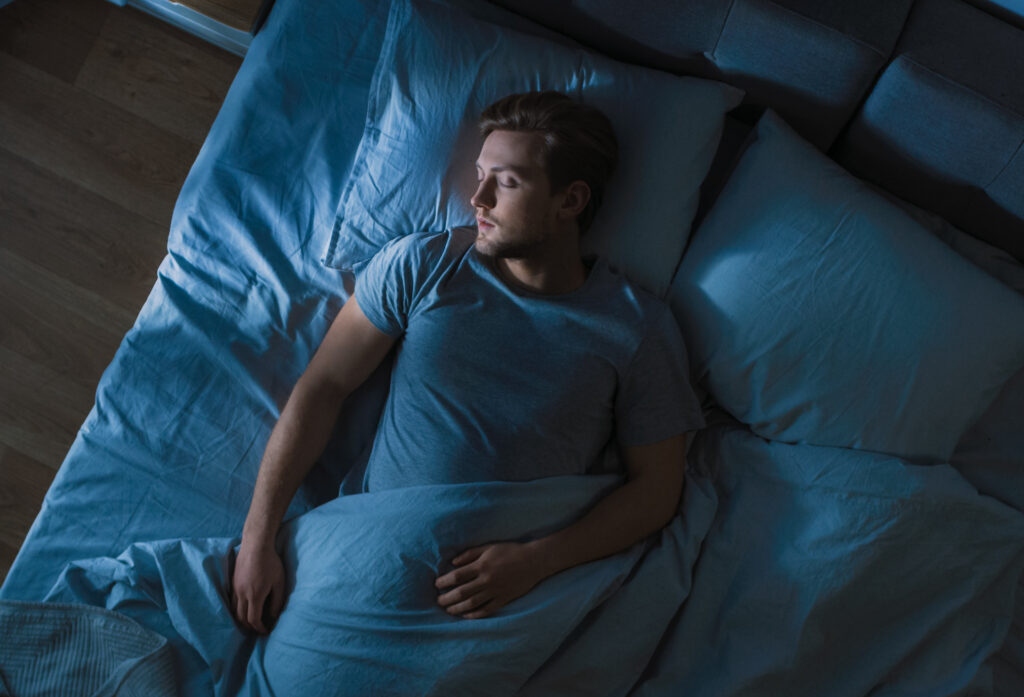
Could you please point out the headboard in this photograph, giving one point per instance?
(923, 98)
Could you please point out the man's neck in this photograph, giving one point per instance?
(554, 274)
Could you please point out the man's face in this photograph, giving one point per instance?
(515, 209)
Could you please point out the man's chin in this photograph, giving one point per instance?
(485, 244)
(488, 245)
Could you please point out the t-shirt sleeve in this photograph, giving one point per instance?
(387, 285)
(655, 400)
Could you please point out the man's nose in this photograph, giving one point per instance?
(484, 196)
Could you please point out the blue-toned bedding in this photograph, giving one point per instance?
(790, 568)
(779, 553)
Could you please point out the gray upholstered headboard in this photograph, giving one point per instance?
(924, 98)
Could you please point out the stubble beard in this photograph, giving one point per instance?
(495, 249)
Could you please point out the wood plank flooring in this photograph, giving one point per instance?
(103, 109)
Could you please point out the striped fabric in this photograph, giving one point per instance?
(58, 650)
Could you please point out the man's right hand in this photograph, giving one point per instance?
(348, 354)
(257, 586)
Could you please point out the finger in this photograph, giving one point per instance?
(461, 592)
(476, 602)
(467, 556)
(243, 614)
(485, 610)
(457, 577)
(255, 609)
(240, 611)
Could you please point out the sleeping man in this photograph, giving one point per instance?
(517, 359)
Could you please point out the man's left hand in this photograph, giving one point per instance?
(488, 578)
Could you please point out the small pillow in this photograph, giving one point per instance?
(816, 311)
(439, 68)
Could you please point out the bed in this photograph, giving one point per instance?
(830, 197)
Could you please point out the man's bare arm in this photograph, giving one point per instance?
(643, 505)
(488, 577)
(351, 350)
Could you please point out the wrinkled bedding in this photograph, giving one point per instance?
(790, 569)
(782, 563)
(361, 617)
(172, 444)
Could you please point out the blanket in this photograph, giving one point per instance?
(788, 569)
(361, 615)
(57, 649)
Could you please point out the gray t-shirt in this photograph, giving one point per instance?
(493, 382)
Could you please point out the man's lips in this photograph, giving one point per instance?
(484, 223)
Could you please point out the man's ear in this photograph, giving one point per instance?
(577, 196)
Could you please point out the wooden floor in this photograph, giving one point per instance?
(102, 111)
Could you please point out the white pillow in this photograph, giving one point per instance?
(439, 68)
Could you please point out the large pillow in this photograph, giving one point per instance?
(816, 311)
(440, 67)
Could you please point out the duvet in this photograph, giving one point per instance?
(789, 569)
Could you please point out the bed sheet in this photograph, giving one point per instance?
(172, 444)
(788, 569)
